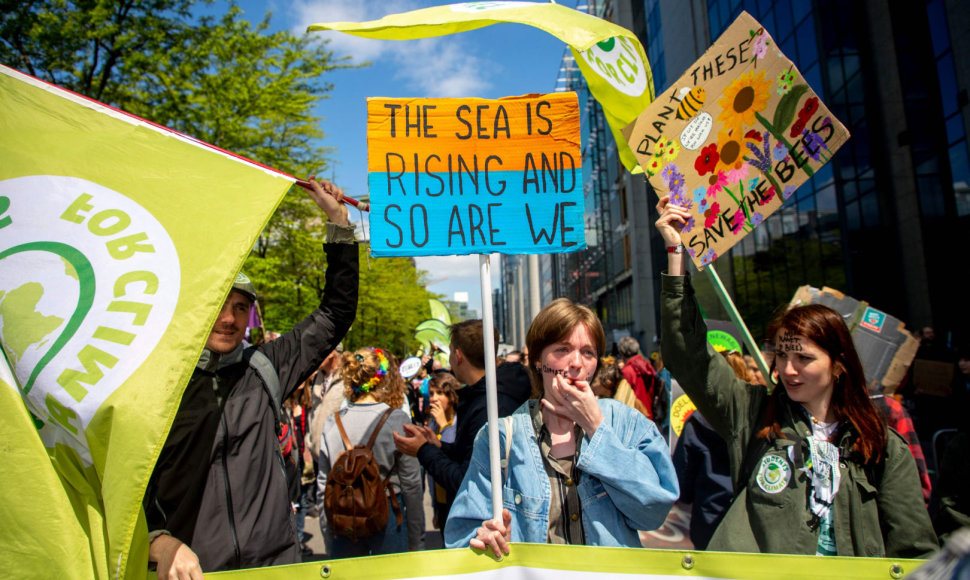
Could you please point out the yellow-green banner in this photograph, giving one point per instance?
(558, 562)
(610, 57)
(119, 240)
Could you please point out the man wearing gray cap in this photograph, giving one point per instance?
(217, 499)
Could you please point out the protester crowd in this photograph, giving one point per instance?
(297, 425)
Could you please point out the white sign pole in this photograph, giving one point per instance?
(491, 393)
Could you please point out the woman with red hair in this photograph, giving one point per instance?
(815, 469)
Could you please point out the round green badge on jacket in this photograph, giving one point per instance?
(774, 473)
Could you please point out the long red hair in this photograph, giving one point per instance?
(850, 396)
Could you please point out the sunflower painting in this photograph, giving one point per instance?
(759, 134)
(742, 100)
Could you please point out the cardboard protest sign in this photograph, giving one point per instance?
(475, 176)
(733, 138)
(933, 377)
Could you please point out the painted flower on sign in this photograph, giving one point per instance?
(786, 81)
(779, 151)
(708, 257)
(677, 184)
(667, 173)
(804, 116)
(678, 197)
(666, 149)
(703, 206)
(732, 146)
(761, 43)
(809, 108)
(743, 98)
(673, 150)
(674, 180)
(688, 225)
(738, 175)
(710, 216)
(788, 191)
(707, 160)
(717, 184)
(757, 219)
(813, 144)
(654, 166)
(738, 221)
(769, 195)
(762, 158)
(699, 194)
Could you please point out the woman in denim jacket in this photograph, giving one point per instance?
(580, 470)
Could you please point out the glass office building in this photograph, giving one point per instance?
(883, 222)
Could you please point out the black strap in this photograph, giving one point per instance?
(260, 363)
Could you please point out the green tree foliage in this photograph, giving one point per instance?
(393, 301)
(98, 48)
(225, 81)
(219, 79)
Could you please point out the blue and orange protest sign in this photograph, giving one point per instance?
(475, 176)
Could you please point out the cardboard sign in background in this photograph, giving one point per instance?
(886, 349)
(475, 176)
(733, 138)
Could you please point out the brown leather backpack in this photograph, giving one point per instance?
(355, 498)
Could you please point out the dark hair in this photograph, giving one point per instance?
(850, 397)
(446, 383)
(468, 337)
(554, 323)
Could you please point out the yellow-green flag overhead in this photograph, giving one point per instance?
(119, 240)
(610, 57)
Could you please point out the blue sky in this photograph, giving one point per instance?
(497, 61)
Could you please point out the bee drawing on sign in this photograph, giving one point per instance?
(691, 101)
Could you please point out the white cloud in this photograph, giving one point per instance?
(458, 268)
(433, 67)
(452, 267)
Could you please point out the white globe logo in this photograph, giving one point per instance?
(618, 62)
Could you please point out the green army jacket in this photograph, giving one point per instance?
(878, 510)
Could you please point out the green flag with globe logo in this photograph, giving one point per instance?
(610, 57)
(119, 240)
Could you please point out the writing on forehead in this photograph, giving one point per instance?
(550, 370)
(789, 342)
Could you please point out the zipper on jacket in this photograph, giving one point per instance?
(225, 479)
